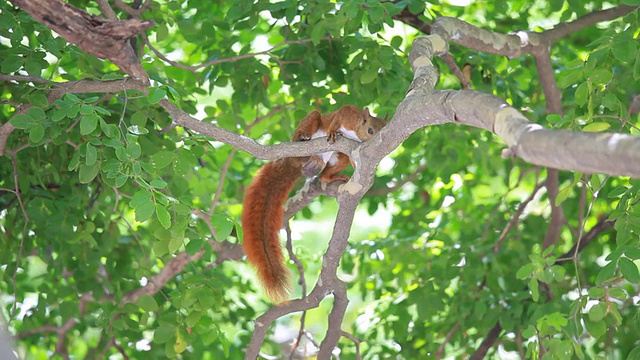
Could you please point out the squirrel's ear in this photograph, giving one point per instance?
(386, 117)
(366, 114)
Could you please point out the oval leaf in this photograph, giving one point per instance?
(596, 127)
(629, 270)
(163, 216)
(88, 172)
(147, 303)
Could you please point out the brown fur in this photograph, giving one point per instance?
(263, 207)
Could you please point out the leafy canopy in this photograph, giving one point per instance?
(99, 194)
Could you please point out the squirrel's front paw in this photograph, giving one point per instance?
(300, 136)
(331, 137)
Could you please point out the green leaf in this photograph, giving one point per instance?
(147, 303)
(109, 129)
(618, 293)
(601, 76)
(36, 133)
(596, 293)
(396, 42)
(11, 64)
(636, 67)
(633, 253)
(369, 76)
(88, 172)
(525, 271)
(611, 102)
(617, 192)
(144, 211)
(634, 354)
(553, 118)
(59, 114)
(624, 47)
(181, 344)
(582, 94)
(223, 226)
(88, 124)
(174, 244)
(163, 216)
(23, 121)
(91, 154)
(595, 328)
(163, 333)
(570, 78)
(563, 195)
(156, 95)
(529, 331)
(533, 286)
(597, 312)
(194, 246)
(139, 118)
(596, 127)
(163, 158)
(143, 205)
(121, 153)
(624, 234)
(193, 318)
(140, 198)
(629, 270)
(317, 32)
(134, 150)
(158, 183)
(74, 162)
(86, 109)
(606, 273)
(38, 100)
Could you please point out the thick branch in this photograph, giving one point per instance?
(563, 29)
(613, 154)
(94, 35)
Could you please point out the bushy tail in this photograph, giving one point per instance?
(262, 215)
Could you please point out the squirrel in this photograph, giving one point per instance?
(263, 206)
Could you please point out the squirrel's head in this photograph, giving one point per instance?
(370, 125)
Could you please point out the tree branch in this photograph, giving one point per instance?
(563, 29)
(94, 35)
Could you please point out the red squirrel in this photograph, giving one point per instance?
(263, 207)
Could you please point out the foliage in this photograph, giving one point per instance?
(110, 193)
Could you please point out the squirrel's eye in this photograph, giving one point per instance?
(370, 131)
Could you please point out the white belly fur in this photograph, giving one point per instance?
(349, 134)
(330, 157)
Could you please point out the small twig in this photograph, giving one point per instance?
(455, 69)
(235, 58)
(16, 191)
(487, 343)
(106, 9)
(520, 343)
(34, 79)
(515, 218)
(356, 342)
(296, 261)
(134, 12)
(557, 215)
(296, 343)
(447, 338)
(190, 68)
(302, 283)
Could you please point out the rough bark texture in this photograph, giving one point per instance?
(94, 35)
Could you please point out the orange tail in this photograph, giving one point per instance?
(262, 220)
